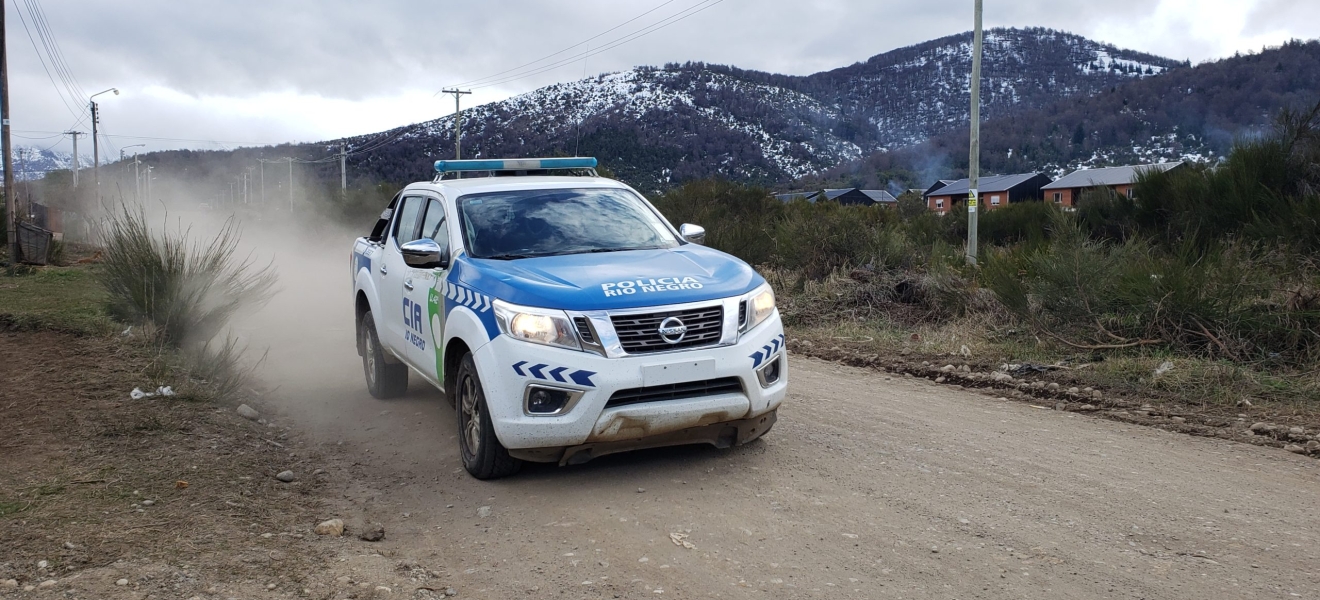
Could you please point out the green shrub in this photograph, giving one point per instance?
(185, 289)
(1226, 301)
(1019, 222)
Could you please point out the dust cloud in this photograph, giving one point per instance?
(300, 343)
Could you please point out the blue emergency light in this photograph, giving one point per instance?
(514, 164)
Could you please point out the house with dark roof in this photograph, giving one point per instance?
(995, 191)
(845, 196)
(787, 197)
(882, 197)
(937, 185)
(1068, 189)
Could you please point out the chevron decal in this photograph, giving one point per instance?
(545, 372)
(767, 351)
(466, 297)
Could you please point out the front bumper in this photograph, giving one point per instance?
(508, 367)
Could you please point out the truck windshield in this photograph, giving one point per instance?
(530, 223)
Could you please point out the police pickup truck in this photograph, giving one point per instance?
(563, 316)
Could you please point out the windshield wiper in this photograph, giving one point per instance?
(596, 250)
(511, 256)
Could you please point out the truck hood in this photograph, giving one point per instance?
(610, 280)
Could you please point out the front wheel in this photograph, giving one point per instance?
(483, 454)
(384, 380)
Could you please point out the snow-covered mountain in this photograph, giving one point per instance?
(656, 126)
(33, 163)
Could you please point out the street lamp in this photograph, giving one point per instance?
(96, 149)
(121, 150)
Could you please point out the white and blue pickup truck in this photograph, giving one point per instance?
(563, 316)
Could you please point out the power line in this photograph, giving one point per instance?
(57, 55)
(481, 79)
(61, 93)
(654, 27)
(143, 137)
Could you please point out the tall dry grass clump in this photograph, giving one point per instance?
(186, 289)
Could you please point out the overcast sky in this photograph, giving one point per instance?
(246, 72)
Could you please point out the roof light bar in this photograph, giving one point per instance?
(514, 164)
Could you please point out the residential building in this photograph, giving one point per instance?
(845, 196)
(1069, 188)
(995, 191)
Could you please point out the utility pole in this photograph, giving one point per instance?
(96, 152)
(343, 167)
(137, 179)
(75, 135)
(974, 160)
(458, 122)
(262, 163)
(96, 146)
(8, 162)
(290, 185)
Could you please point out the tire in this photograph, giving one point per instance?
(384, 380)
(484, 456)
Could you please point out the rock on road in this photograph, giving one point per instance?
(870, 486)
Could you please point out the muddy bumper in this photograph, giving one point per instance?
(720, 435)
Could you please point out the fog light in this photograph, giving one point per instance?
(769, 374)
(546, 401)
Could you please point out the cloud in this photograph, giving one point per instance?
(249, 70)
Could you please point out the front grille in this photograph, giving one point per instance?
(641, 333)
(676, 391)
(584, 330)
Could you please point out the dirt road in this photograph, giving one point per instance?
(870, 486)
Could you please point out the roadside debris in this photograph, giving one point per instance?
(285, 476)
(1019, 370)
(247, 412)
(164, 390)
(681, 539)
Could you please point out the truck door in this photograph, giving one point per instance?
(424, 299)
(393, 323)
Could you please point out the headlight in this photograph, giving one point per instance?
(760, 305)
(536, 325)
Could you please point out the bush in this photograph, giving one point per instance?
(1227, 301)
(1019, 222)
(185, 290)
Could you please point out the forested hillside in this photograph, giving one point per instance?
(1192, 113)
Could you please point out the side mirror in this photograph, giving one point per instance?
(424, 254)
(693, 233)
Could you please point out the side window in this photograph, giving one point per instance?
(405, 226)
(433, 225)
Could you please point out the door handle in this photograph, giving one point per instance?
(407, 284)
(383, 270)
